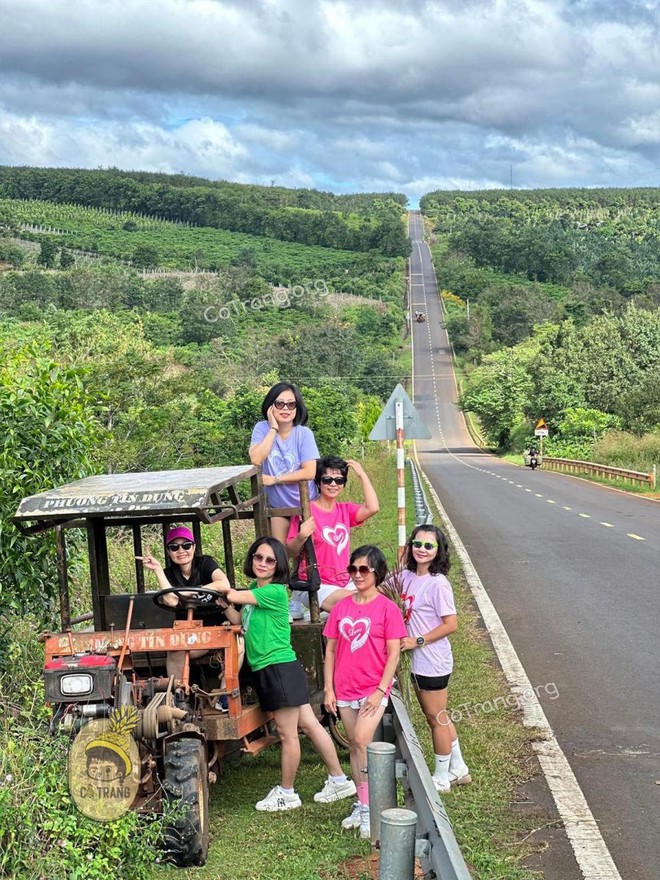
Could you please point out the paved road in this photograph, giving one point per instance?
(573, 571)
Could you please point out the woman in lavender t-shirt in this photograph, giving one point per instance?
(286, 450)
(430, 616)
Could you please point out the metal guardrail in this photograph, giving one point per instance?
(435, 846)
(601, 470)
(423, 513)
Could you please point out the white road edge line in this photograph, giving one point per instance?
(591, 852)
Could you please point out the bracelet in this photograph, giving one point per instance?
(382, 690)
(271, 428)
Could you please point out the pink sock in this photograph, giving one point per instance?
(363, 792)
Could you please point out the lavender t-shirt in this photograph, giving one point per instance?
(426, 600)
(285, 457)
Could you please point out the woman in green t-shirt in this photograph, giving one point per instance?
(280, 678)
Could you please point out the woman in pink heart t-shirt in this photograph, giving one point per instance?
(330, 526)
(364, 633)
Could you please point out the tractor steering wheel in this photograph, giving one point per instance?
(189, 597)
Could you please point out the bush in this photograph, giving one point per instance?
(42, 834)
(620, 449)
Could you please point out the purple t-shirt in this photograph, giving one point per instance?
(285, 457)
(426, 600)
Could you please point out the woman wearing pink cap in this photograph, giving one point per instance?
(186, 569)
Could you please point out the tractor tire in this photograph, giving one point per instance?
(186, 784)
(337, 731)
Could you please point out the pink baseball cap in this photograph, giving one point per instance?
(180, 532)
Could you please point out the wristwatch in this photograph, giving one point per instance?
(420, 641)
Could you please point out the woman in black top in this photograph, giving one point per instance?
(186, 569)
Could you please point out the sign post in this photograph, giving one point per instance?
(541, 431)
(400, 421)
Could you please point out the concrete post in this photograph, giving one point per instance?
(397, 845)
(382, 782)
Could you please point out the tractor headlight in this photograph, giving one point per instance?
(76, 685)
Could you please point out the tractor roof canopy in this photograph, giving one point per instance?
(205, 494)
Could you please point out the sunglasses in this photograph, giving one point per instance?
(427, 545)
(184, 545)
(266, 560)
(285, 404)
(362, 570)
(328, 481)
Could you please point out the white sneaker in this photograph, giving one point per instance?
(277, 801)
(365, 822)
(335, 791)
(441, 785)
(296, 610)
(353, 820)
(460, 777)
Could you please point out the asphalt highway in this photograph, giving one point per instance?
(573, 571)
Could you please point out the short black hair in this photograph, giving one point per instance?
(375, 559)
(441, 562)
(281, 573)
(330, 463)
(270, 398)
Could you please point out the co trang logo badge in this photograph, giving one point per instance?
(104, 766)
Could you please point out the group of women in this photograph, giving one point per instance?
(365, 630)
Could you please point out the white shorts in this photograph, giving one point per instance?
(324, 591)
(357, 704)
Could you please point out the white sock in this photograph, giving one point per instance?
(338, 779)
(287, 790)
(457, 764)
(442, 766)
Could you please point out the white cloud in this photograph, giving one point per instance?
(352, 94)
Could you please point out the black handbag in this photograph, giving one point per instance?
(312, 580)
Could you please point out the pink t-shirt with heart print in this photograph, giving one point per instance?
(362, 632)
(331, 540)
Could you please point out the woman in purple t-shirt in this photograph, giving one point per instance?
(286, 450)
(430, 616)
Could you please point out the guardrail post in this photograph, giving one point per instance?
(397, 845)
(653, 476)
(382, 783)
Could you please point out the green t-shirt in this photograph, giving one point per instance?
(267, 627)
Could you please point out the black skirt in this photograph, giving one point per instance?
(282, 684)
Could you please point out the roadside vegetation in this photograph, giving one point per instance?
(552, 303)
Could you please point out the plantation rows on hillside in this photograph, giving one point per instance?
(147, 241)
(238, 208)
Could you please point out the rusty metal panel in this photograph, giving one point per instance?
(185, 636)
(224, 727)
(159, 492)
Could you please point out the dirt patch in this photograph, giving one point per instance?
(365, 868)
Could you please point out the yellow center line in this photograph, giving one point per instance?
(585, 515)
(550, 501)
(636, 537)
(538, 495)
(568, 508)
(607, 525)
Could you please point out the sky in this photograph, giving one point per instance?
(341, 95)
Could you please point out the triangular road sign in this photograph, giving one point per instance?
(541, 424)
(413, 426)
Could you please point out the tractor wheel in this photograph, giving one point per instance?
(337, 731)
(186, 784)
